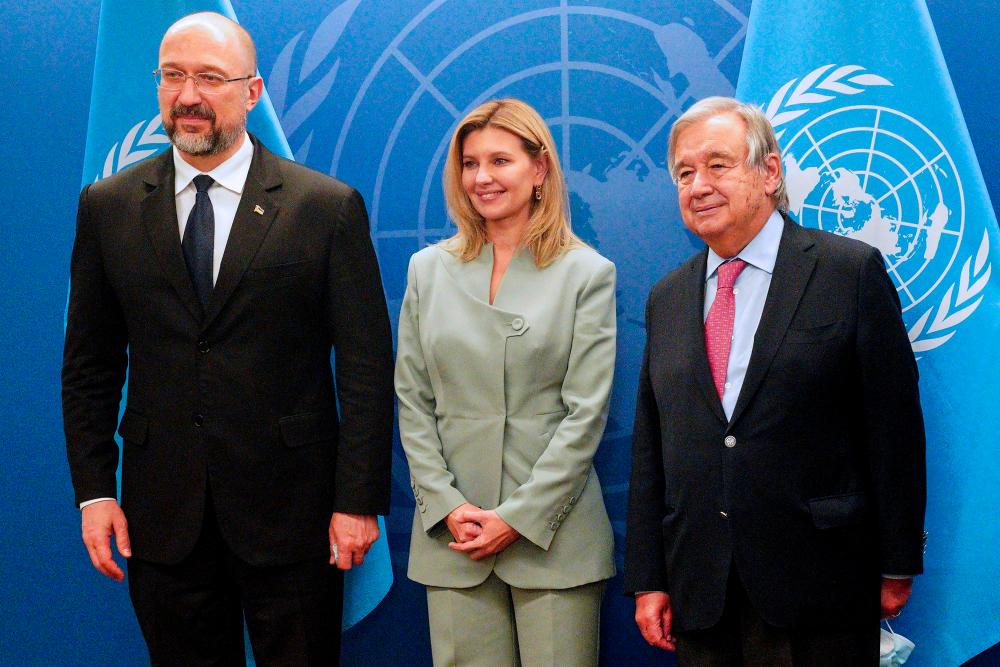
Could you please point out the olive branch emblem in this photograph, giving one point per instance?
(956, 305)
(293, 113)
(811, 90)
(797, 97)
(135, 147)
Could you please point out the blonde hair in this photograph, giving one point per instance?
(760, 138)
(548, 233)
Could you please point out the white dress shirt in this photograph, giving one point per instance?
(749, 292)
(225, 193)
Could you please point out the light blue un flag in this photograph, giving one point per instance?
(125, 128)
(875, 147)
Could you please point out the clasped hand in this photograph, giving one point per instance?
(479, 533)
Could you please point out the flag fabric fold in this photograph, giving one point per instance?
(875, 147)
(124, 128)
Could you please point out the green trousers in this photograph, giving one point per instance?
(494, 624)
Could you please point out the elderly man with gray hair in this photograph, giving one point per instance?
(778, 476)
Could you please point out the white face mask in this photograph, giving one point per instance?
(894, 649)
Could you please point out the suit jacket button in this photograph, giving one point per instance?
(517, 324)
(204, 346)
(730, 441)
(199, 420)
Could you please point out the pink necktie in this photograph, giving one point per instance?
(719, 323)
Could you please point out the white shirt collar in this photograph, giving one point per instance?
(761, 252)
(231, 174)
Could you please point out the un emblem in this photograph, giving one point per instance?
(144, 139)
(608, 82)
(609, 78)
(878, 175)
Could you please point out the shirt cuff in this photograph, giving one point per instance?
(91, 502)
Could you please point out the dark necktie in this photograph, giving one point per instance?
(719, 323)
(199, 239)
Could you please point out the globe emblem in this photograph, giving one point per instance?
(608, 82)
(878, 175)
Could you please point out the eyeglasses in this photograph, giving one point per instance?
(206, 82)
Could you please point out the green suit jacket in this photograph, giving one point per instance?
(503, 406)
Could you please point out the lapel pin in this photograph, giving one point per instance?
(258, 209)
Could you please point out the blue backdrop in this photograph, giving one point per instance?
(369, 91)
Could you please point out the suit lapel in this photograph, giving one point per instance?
(792, 269)
(158, 212)
(693, 330)
(254, 216)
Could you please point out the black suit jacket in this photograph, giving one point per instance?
(822, 487)
(239, 399)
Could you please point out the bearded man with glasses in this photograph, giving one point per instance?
(221, 277)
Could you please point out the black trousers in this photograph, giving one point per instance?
(192, 613)
(742, 638)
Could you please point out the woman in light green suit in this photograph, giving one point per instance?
(504, 367)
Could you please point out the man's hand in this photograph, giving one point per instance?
(101, 520)
(654, 618)
(463, 531)
(496, 533)
(895, 593)
(351, 536)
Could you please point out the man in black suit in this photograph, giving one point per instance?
(221, 277)
(778, 482)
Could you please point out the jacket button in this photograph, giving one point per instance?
(730, 441)
(517, 324)
(199, 420)
(203, 346)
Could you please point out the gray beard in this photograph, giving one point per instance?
(214, 142)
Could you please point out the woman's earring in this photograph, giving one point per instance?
(538, 192)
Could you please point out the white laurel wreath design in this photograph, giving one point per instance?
(957, 304)
(806, 93)
(129, 150)
(292, 115)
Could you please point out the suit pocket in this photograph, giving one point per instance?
(838, 511)
(308, 428)
(814, 334)
(134, 427)
(276, 271)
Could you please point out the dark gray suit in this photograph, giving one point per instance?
(815, 487)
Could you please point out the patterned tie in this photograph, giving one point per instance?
(199, 239)
(719, 323)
